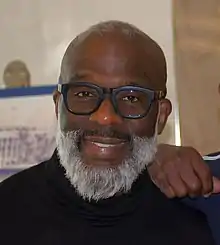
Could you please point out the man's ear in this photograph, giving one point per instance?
(56, 98)
(164, 110)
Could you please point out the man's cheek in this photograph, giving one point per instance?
(74, 122)
(142, 127)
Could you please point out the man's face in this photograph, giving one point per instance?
(103, 153)
(16, 75)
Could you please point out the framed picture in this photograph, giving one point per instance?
(27, 127)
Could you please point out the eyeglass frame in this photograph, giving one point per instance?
(111, 93)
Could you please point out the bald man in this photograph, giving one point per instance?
(110, 105)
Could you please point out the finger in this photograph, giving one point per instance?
(161, 182)
(169, 192)
(175, 181)
(191, 180)
(203, 172)
(216, 185)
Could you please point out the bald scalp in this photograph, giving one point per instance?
(127, 32)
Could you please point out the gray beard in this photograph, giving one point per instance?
(95, 183)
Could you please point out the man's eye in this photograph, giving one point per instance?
(131, 99)
(84, 94)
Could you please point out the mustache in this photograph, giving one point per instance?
(107, 132)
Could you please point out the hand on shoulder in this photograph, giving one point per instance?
(181, 171)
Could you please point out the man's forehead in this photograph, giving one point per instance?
(109, 58)
(110, 66)
(108, 47)
(114, 54)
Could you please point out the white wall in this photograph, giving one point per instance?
(39, 31)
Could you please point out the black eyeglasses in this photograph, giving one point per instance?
(132, 102)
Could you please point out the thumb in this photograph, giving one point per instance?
(216, 185)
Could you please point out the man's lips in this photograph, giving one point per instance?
(104, 145)
(104, 150)
(104, 141)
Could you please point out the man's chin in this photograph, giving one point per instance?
(101, 162)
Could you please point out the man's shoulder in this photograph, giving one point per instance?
(22, 197)
(213, 160)
(23, 181)
(212, 157)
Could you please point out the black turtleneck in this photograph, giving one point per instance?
(39, 207)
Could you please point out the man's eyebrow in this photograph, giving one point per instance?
(77, 76)
(133, 83)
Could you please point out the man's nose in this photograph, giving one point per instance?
(106, 115)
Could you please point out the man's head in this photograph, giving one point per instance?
(16, 74)
(110, 107)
